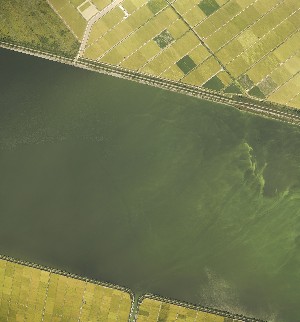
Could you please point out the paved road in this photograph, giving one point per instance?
(89, 26)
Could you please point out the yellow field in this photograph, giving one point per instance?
(151, 310)
(71, 16)
(30, 294)
(250, 45)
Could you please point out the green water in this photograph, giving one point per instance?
(148, 189)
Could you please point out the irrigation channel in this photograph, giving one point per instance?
(160, 192)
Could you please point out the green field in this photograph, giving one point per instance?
(34, 24)
(31, 294)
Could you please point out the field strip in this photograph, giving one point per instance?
(169, 67)
(279, 86)
(285, 83)
(91, 22)
(280, 65)
(260, 107)
(131, 33)
(267, 33)
(294, 95)
(197, 65)
(155, 308)
(162, 49)
(234, 16)
(291, 100)
(294, 54)
(114, 26)
(204, 44)
(265, 55)
(246, 28)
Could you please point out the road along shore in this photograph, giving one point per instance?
(11, 268)
(254, 106)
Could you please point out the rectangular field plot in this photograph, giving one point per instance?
(194, 16)
(173, 72)
(158, 310)
(151, 30)
(101, 4)
(173, 54)
(263, 68)
(295, 102)
(70, 16)
(30, 294)
(203, 72)
(183, 6)
(287, 91)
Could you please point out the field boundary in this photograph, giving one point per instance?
(255, 106)
(135, 301)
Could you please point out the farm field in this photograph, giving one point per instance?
(34, 294)
(31, 294)
(248, 47)
(233, 46)
(34, 24)
(160, 310)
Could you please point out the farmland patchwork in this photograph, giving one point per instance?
(249, 47)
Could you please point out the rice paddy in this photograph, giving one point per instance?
(32, 294)
(161, 310)
(35, 294)
(249, 47)
(217, 44)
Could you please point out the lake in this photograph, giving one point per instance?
(149, 189)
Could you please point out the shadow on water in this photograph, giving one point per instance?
(149, 189)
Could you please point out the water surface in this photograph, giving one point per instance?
(148, 189)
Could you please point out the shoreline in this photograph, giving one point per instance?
(135, 300)
(254, 106)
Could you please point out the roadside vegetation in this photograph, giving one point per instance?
(34, 24)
